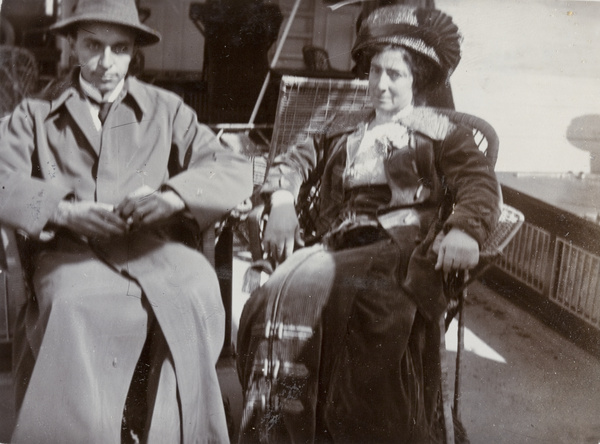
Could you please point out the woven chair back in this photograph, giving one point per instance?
(18, 77)
(305, 104)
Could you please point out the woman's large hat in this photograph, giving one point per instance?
(427, 32)
(117, 12)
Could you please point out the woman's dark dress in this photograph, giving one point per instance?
(342, 342)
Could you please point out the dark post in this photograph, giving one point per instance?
(238, 35)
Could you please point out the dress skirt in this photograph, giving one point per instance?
(332, 350)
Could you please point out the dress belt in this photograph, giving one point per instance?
(400, 217)
(395, 218)
(357, 229)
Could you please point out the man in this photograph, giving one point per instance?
(101, 175)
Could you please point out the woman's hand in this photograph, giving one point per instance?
(282, 226)
(147, 206)
(456, 251)
(89, 219)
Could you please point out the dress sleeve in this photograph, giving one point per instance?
(471, 179)
(293, 167)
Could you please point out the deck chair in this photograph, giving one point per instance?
(304, 106)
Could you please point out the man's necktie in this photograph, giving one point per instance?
(104, 108)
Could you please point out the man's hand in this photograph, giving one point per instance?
(456, 251)
(89, 219)
(282, 226)
(146, 206)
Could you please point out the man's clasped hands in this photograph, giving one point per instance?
(143, 207)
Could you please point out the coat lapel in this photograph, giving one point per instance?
(79, 110)
(65, 92)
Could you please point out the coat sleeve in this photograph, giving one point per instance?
(209, 178)
(471, 179)
(26, 202)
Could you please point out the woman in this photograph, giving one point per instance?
(342, 343)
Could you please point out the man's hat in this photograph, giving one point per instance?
(117, 12)
(427, 32)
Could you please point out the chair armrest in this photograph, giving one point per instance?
(209, 241)
(508, 226)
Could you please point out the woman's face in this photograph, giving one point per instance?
(390, 81)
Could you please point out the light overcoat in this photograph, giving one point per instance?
(50, 150)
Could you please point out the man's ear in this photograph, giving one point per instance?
(138, 61)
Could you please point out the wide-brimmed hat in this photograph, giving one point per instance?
(427, 32)
(117, 12)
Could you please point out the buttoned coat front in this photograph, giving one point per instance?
(85, 349)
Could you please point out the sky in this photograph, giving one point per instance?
(531, 68)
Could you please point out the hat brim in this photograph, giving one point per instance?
(429, 33)
(145, 35)
(436, 75)
(413, 44)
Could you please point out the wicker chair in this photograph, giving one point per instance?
(305, 104)
(316, 58)
(18, 77)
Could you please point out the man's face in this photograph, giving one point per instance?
(390, 81)
(104, 52)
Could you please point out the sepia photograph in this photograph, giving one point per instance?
(299, 221)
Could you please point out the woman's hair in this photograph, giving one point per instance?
(423, 70)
